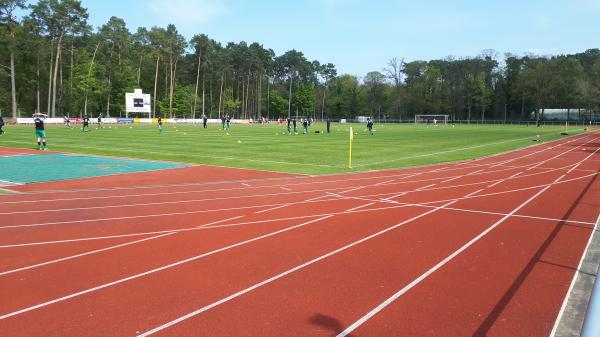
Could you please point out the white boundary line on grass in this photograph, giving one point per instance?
(559, 142)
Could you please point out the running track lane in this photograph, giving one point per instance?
(324, 317)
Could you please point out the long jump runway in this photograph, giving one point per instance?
(487, 247)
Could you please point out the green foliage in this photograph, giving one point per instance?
(230, 104)
(278, 104)
(303, 99)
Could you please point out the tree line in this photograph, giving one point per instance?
(54, 62)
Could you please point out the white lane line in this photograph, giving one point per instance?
(313, 181)
(285, 188)
(433, 269)
(175, 202)
(247, 185)
(155, 270)
(220, 221)
(441, 152)
(295, 177)
(458, 177)
(83, 254)
(283, 274)
(449, 258)
(336, 196)
(385, 182)
(404, 176)
(360, 207)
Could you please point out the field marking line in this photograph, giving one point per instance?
(295, 177)
(458, 177)
(194, 212)
(283, 274)
(442, 152)
(446, 260)
(403, 176)
(385, 182)
(178, 154)
(285, 188)
(220, 221)
(166, 233)
(155, 270)
(433, 269)
(429, 204)
(247, 185)
(71, 257)
(202, 191)
(260, 206)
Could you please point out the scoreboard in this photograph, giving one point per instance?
(138, 102)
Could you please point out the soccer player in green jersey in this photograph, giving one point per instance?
(40, 131)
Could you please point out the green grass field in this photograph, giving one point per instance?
(268, 147)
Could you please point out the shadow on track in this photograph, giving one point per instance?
(501, 305)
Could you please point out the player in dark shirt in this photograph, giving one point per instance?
(100, 121)
(295, 127)
(328, 125)
(1, 125)
(204, 121)
(370, 125)
(86, 124)
(289, 121)
(160, 127)
(305, 126)
(40, 131)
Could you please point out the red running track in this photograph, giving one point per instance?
(478, 248)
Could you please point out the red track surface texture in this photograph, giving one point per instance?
(480, 248)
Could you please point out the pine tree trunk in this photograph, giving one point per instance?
(203, 92)
(242, 106)
(171, 88)
(290, 98)
(13, 91)
(56, 64)
(221, 93)
(155, 86)
(38, 97)
(247, 93)
(323, 104)
(259, 96)
(139, 73)
(50, 79)
(71, 78)
(85, 103)
(197, 82)
(108, 98)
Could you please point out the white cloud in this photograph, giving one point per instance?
(186, 12)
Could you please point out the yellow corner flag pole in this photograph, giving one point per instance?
(350, 152)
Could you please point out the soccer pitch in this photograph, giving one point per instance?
(269, 147)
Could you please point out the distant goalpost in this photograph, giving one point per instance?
(424, 119)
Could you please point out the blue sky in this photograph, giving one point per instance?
(361, 36)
